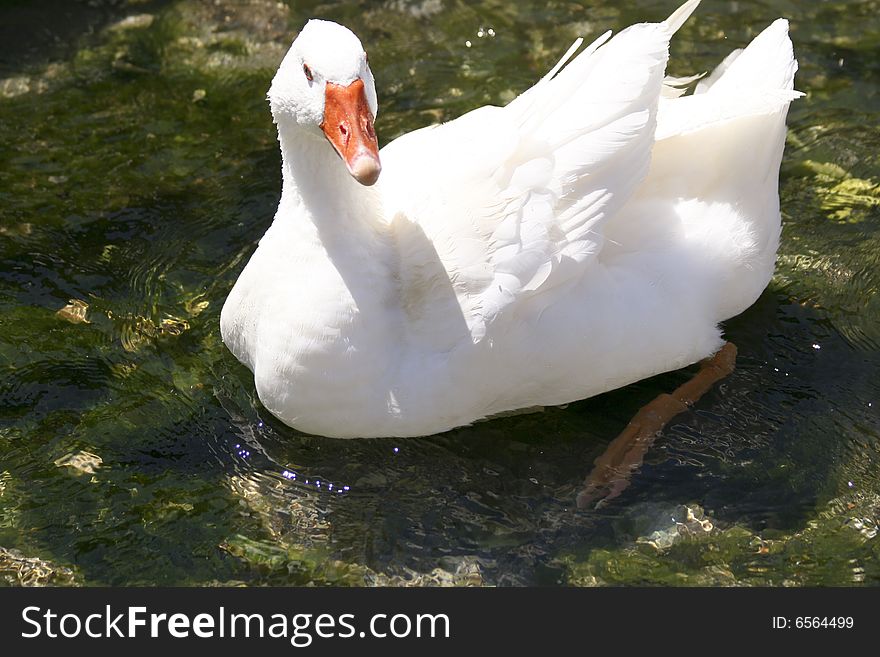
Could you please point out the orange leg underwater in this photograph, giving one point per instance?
(624, 455)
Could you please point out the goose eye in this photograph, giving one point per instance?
(308, 72)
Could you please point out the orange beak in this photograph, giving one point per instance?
(348, 125)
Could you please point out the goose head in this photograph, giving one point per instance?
(325, 86)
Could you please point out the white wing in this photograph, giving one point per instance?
(508, 203)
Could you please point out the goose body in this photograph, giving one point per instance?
(591, 233)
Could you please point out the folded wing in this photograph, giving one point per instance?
(507, 204)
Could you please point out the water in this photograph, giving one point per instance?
(138, 168)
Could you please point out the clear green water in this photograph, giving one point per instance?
(138, 168)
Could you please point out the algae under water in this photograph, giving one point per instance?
(138, 168)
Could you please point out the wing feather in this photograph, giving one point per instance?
(514, 199)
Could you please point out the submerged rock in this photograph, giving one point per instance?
(16, 569)
(687, 521)
(133, 21)
(74, 312)
(296, 550)
(836, 547)
(467, 572)
(81, 462)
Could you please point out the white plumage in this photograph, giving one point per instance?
(591, 233)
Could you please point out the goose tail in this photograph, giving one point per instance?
(714, 173)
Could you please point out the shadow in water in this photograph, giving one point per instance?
(36, 33)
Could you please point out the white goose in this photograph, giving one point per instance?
(591, 233)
